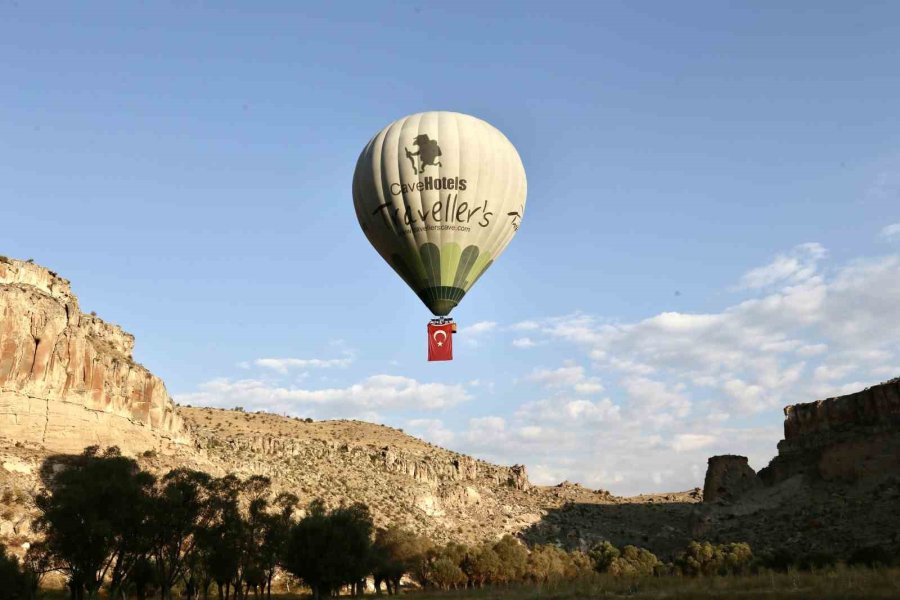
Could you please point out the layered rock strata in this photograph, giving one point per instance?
(848, 437)
(67, 379)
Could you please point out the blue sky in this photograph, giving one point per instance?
(709, 236)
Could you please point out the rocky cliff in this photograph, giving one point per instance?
(833, 488)
(849, 437)
(67, 379)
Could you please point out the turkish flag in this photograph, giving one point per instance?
(440, 341)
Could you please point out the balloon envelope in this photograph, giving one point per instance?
(439, 195)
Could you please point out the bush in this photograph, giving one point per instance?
(634, 562)
(603, 555)
(708, 559)
(631, 561)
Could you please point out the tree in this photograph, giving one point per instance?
(218, 539)
(93, 519)
(276, 530)
(396, 551)
(328, 550)
(38, 562)
(513, 559)
(482, 565)
(13, 580)
(180, 508)
(143, 578)
(548, 563)
(446, 574)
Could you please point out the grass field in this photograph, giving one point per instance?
(832, 584)
(837, 583)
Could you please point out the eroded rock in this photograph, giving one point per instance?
(68, 380)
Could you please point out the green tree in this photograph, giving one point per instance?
(396, 551)
(218, 539)
(446, 574)
(143, 578)
(482, 565)
(277, 528)
(14, 583)
(180, 508)
(251, 573)
(513, 559)
(548, 563)
(93, 519)
(328, 550)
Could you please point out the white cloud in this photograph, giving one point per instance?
(372, 395)
(891, 232)
(796, 266)
(571, 376)
(812, 349)
(486, 431)
(654, 401)
(432, 430)
(569, 411)
(479, 328)
(283, 365)
(524, 342)
(680, 385)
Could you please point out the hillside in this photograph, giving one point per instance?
(68, 380)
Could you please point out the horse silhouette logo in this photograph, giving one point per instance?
(428, 154)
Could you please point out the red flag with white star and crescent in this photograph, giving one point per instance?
(440, 341)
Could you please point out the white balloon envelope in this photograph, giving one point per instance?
(439, 195)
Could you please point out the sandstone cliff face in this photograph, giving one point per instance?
(848, 437)
(68, 380)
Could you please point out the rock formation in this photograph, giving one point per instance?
(848, 437)
(833, 488)
(68, 380)
(727, 478)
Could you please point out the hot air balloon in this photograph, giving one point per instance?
(439, 195)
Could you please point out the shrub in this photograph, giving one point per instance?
(603, 555)
(708, 559)
(634, 562)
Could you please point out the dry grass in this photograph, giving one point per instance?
(833, 584)
(839, 583)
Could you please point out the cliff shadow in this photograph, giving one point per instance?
(662, 527)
